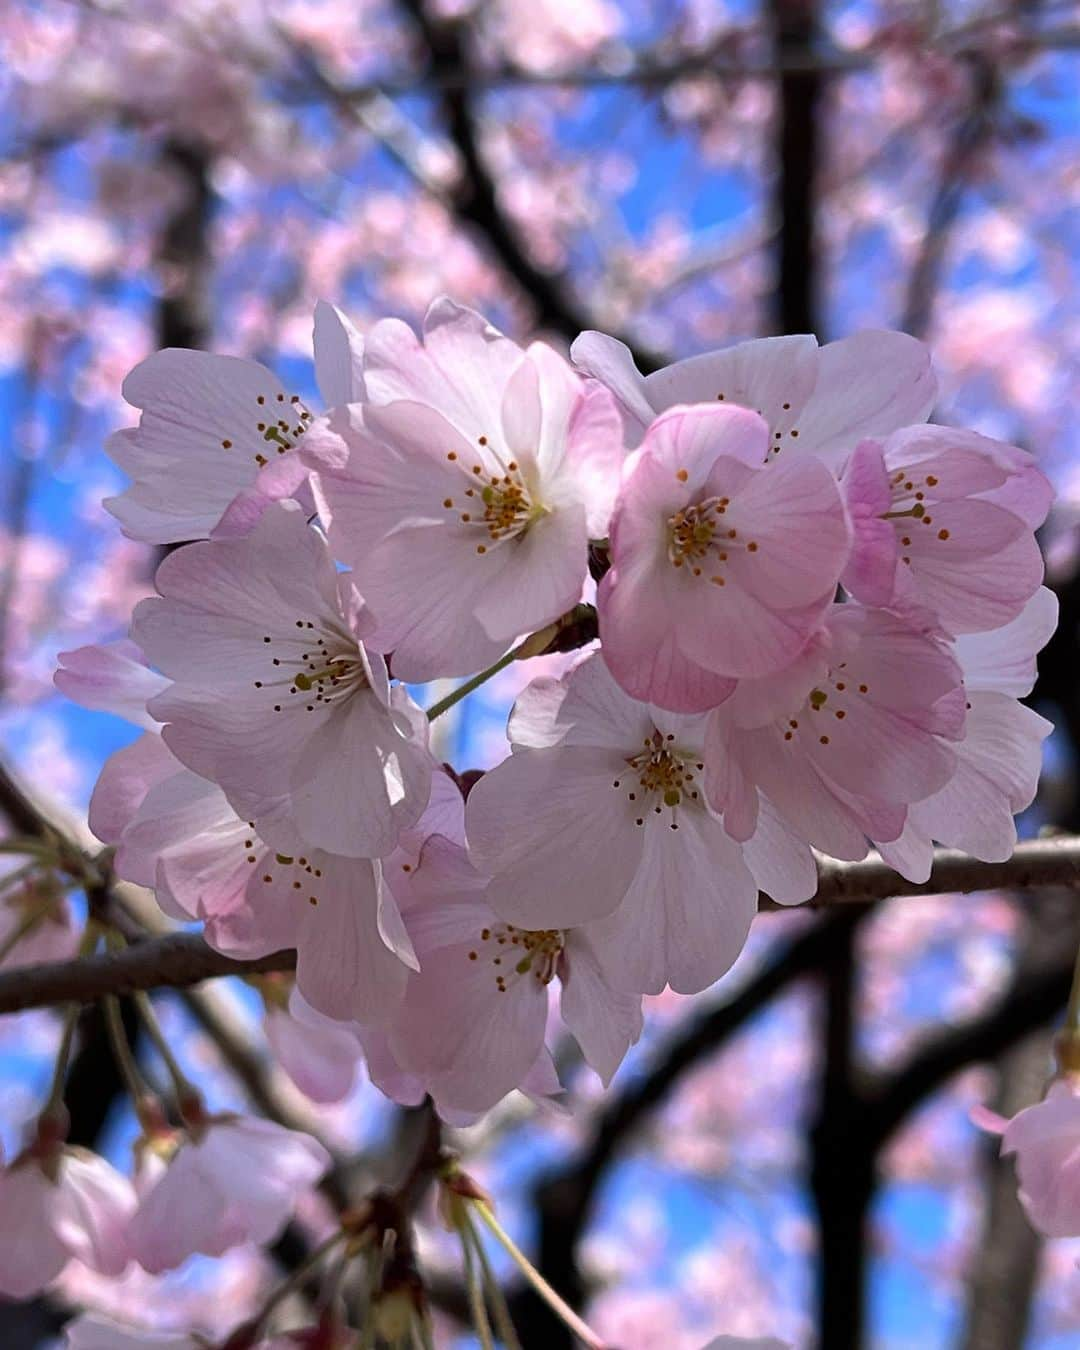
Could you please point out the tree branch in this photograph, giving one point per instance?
(165, 962)
(970, 135)
(1033, 999)
(181, 959)
(476, 202)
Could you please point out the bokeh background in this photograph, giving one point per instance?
(789, 1153)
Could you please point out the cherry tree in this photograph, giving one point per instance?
(765, 612)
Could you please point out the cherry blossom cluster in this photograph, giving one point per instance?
(810, 616)
(816, 615)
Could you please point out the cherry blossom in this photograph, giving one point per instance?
(472, 1024)
(110, 677)
(217, 436)
(720, 567)
(1045, 1139)
(176, 833)
(817, 400)
(320, 1055)
(1000, 756)
(464, 491)
(944, 518)
(275, 697)
(59, 1203)
(230, 1179)
(212, 428)
(863, 724)
(590, 764)
(181, 837)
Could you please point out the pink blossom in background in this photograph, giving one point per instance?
(38, 911)
(231, 1180)
(56, 1204)
(1045, 1139)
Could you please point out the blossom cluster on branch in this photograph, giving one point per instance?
(817, 615)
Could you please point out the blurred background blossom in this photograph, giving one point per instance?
(684, 174)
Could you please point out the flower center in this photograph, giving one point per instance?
(498, 502)
(909, 503)
(514, 953)
(301, 873)
(661, 771)
(699, 538)
(320, 664)
(823, 705)
(280, 421)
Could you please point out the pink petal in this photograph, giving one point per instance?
(867, 385)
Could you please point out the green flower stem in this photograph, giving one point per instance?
(558, 1305)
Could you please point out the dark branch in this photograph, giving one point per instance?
(182, 959)
(476, 202)
(971, 134)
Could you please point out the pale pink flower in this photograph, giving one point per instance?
(110, 677)
(816, 400)
(59, 1203)
(232, 1179)
(1046, 1141)
(385, 1072)
(216, 439)
(177, 833)
(721, 566)
(212, 428)
(320, 1055)
(464, 491)
(339, 356)
(275, 697)
(944, 518)
(840, 743)
(600, 815)
(472, 1025)
(1000, 756)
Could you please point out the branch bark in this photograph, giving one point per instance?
(182, 959)
(878, 1106)
(841, 1169)
(1004, 1267)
